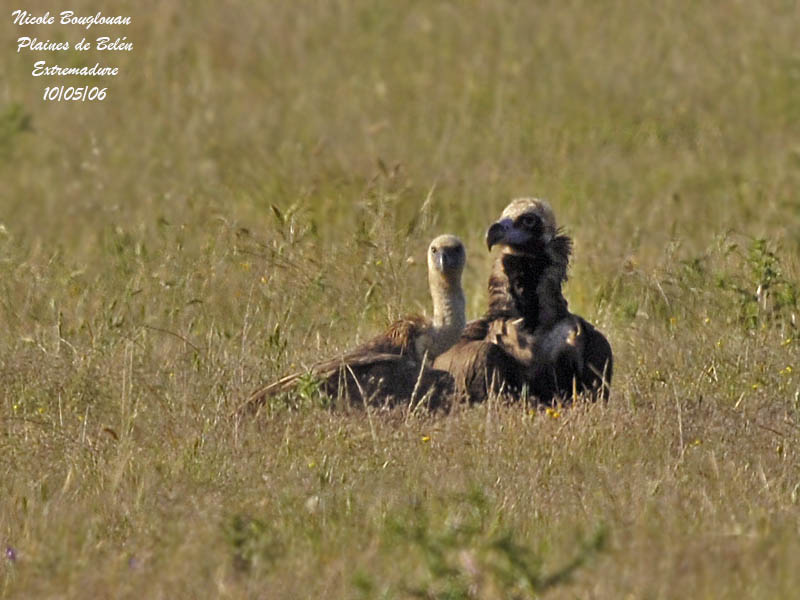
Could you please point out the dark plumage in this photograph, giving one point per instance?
(528, 337)
(395, 366)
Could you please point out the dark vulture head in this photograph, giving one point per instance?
(527, 229)
(527, 276)
(526, 226)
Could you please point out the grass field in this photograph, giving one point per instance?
(246, 200)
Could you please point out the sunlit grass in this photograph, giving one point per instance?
(258, 190)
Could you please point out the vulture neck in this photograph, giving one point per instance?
(527, 286)
(449, 313)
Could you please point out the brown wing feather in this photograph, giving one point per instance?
(479, 368)
(399, 338)
(382, 354)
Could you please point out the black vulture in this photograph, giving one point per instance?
(528, 339)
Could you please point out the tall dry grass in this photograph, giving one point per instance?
(246, 199)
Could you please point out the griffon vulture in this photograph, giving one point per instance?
(395, 366)
(528, 337)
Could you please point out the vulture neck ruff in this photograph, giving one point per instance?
(528, 284)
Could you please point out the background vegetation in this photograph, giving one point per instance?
(247, 198)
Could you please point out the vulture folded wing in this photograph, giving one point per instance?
(388, 369)
(478, 366)
(399, 338)
(598, 362)
(387, 357)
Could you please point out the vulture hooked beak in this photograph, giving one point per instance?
(441, 262)
(447, 260)
(497, 232)
(518, 234)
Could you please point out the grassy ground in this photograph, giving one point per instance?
(246, 199)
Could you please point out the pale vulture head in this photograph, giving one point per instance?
(446, 259)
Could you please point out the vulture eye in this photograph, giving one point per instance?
(434, 250)
(528, 221)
